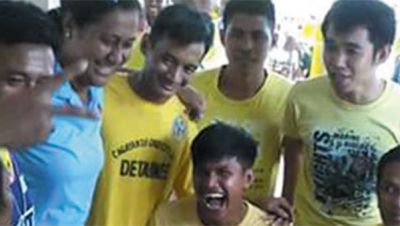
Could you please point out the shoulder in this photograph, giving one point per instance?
(312, 87)
(181, 211)
(205, 77)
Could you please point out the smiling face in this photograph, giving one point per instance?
(105, 43)
(389, 194)
(170, 64)
(23, 66)
(220, 187)
(350, 58)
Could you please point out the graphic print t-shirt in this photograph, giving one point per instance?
(342, 146)
(147, 156)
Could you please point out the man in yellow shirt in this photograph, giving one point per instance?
(243, 93)
(337, 126)
(146, 133)
(388, 187)
(222, 158)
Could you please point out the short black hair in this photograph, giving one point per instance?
(90, 11)
(389, 157)
(377, 17)
(220, 141)
(183, 24)
(263, 8)
(22, 22)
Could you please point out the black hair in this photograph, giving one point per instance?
(263, 8)
(90, 11)
(183, 24)
(220, 141)
(377, 17)
(389, 157)
(22, 22)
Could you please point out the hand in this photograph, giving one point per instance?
(195, 104)
(279, 208)
(26, 117)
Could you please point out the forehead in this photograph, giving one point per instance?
(30, 59)
(122, 22)
(358, 35)
(391, 172)
(227, 162)
(186, 53)
(247, 22)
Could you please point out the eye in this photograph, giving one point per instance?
(352, 51)
(189, 69)
(224, 173)
(236, 34)
(260, 36)
(16, 81)
(390, 189)
(167, 60)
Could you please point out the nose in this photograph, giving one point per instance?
(338, 59)
(175, 73)
(246, 43)
(212, 180)
(116, 56)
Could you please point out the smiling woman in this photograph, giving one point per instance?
(62, 171)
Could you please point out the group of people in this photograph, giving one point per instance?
(90, 138)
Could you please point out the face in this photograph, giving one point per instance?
(153, 8)
(220, 188)
(23, 66)
(350, 59)
(170, 64)
(389, 194)
(247, 40)
(106, 44)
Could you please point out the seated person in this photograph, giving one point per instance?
(223, 157)
(388, 188)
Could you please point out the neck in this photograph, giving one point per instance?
(235, 217)
(239, 84)
(141, 85)
(364, 93)
(81, 88)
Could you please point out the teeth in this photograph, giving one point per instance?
(214, 195)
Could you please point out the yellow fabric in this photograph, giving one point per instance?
(6, 159)
(261, 115)
(342, 145)
(317, 62)
(214, 58)
(147, 156)
(136, 58)
(183, 213)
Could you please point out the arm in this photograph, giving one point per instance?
(292, 162)
(195, 103)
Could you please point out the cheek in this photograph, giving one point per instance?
(6, 90)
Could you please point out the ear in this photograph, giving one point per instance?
(249, 177)
(382, 54)
(222, 34)
(145, 44)
(69, 27)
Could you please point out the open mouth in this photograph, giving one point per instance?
(214, 201)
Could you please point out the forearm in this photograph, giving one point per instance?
(293, 158)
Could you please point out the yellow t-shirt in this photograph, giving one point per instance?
(183, 212)
(260, 115)
(5, 158)
(214, 58)
(147, 156)
(343, 143)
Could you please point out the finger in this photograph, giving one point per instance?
(281, 213)
(75, 111)
(68, 73)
